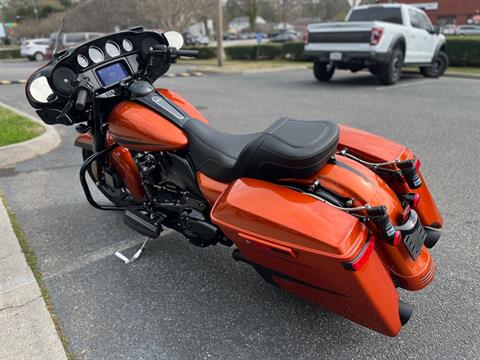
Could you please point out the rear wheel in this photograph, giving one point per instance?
(118, 194)
(323, 71)
(438, 68)
(391, 72)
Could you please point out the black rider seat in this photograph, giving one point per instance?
(287, 149)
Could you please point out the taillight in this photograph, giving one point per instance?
(376, 35)
(362, 258)
(305, 37)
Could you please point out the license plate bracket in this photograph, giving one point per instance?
(414, 235)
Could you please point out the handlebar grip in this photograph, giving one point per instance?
(188, 53)
(81, 99)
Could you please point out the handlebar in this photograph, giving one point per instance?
(188, 53)
(81, 99)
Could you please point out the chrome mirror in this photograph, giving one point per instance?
(40, 90)
(174, 39)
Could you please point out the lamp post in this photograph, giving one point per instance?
(220, 33)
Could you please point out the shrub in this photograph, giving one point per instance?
(10, 53)
(293, 51)
(249, 52)
(205, 52)
(464, 51)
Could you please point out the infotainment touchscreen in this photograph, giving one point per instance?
(112, 74)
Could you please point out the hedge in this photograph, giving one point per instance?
(293, 51)
(464, 51)
(205, 52)
(10, 53)
(249, 52)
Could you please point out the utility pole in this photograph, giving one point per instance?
(220, 33)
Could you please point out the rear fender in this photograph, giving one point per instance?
(375, 148)
(350, 179)
(123, 163)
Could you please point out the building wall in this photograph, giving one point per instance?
(458, 12)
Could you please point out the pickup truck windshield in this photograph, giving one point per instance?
(387, 14)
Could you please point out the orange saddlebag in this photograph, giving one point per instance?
(307, 247)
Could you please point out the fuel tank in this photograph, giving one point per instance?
(136, 127)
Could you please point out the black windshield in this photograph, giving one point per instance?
(391, 15)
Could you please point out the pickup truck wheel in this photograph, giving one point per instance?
(323, 71)
(438, 68)
(391, 72)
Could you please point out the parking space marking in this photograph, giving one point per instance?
(12, 82)
(416, 83)
(100, 254)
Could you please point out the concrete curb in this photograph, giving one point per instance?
(27, 330)
(455, 75)
(213, 70)
(26, 150)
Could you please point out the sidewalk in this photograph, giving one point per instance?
(27, 330)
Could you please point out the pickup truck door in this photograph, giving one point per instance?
(421, 40)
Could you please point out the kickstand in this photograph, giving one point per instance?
(135, 256)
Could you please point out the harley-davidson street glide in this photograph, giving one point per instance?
(332, 214)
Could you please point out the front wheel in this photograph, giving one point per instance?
(116, 192)
(438, 68)
(323, 71)
(391, 72)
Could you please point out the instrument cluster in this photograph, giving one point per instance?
(111, 49)
(104, 61)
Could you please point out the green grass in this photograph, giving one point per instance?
(31, 259)
(469, 37)
(241, 65)
(464, 70)
(15, 128)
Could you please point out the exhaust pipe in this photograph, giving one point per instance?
(405, 311)
(432, 237)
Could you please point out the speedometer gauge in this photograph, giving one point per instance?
(95, 54)
(82, 61)
(112, 49)
(127, 45)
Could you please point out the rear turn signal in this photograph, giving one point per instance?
(362, 258)
(376, 36)
(412, 199)
(409, 170)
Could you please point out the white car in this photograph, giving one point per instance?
(382, 38)
(35, 49)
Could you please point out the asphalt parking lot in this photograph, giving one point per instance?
(183, 302)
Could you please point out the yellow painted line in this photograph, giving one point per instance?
(22, 81)
(5, 82)
(170, 75)
(196, 73)
(184, 74)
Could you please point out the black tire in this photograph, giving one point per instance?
(38, 56)
(438, 68)
(323, 71)
(119, 197)
(391, 72)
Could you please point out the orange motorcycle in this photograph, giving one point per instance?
(332, 214)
